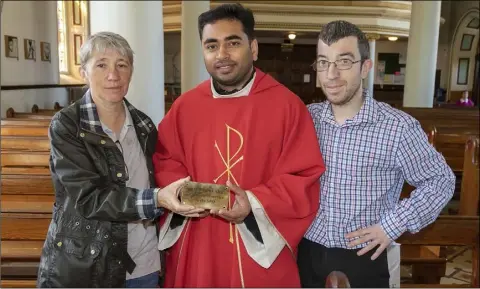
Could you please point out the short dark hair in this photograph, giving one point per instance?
(339, 29)
(229, 12)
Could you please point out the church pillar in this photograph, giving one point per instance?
(422, 54)
(193, 69)
(372, 39)
(141, 24)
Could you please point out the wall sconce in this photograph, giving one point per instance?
(393, 38)
(292, 36)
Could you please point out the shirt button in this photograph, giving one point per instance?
(59, 244)
(88, 227)
(119, 262)
(106, 237)
(92, 252)
(119, 175)
(103, 141)
(143, 133)
(82, 134)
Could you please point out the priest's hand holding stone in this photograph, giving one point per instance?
(167, 198)
(241, 208)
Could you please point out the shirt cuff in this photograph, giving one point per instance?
(392, 227)
(147, 205)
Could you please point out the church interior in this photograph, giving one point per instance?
(440, 39)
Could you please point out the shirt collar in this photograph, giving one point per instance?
(90, 121)
(368, 112)
(242, 92)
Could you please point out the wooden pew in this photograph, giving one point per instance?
(452, 147)
(56, 106)
(24, 127)
(446, 118)
(13, 158)
(11, 113)
(25, 226)
(448, 231)
(25, 143)
(428, 264)
(418, 256)
(469, 196)
(27, 203)
(27, 198)
(28, 283)
(23, 235)
(46, 111)
(19, 184)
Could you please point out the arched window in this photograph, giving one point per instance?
(72, 18)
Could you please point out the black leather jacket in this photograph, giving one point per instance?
(86, 243)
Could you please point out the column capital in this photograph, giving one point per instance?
(372, 36)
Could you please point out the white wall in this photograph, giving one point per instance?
(141, 23)
(385, 46)
(37, 21)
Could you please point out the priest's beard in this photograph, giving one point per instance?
(231, 84)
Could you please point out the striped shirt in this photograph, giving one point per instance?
(368, 159)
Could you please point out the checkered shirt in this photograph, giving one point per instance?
(367, 160)
(90, 121)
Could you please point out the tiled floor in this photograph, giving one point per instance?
(459, 267)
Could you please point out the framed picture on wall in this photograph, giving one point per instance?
(45, 51)
(462, 72)
(30, 49)
(11, 46)
(467, 40)
(77, 44)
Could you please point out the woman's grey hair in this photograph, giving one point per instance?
(101, 41)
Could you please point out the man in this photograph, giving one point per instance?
(370, 149)
(244, 129)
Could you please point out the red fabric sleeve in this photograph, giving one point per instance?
(291, 197)
(168, 159)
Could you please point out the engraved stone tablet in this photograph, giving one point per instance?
(204, 195)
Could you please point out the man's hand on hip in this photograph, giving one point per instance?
(374, 235)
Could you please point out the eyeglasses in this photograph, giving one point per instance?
(341, 64)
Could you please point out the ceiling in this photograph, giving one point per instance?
(304, 35)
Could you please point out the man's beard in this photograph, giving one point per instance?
(235, 81)
(349, 94)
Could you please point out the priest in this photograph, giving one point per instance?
(245, 130)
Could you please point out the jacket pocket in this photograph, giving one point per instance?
(74, 261)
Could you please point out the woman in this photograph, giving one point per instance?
(465, 101)
(103, 231)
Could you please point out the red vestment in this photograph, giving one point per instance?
(266, 143)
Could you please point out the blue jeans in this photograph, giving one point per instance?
(147, 281)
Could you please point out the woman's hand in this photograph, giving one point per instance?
(167, 198)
